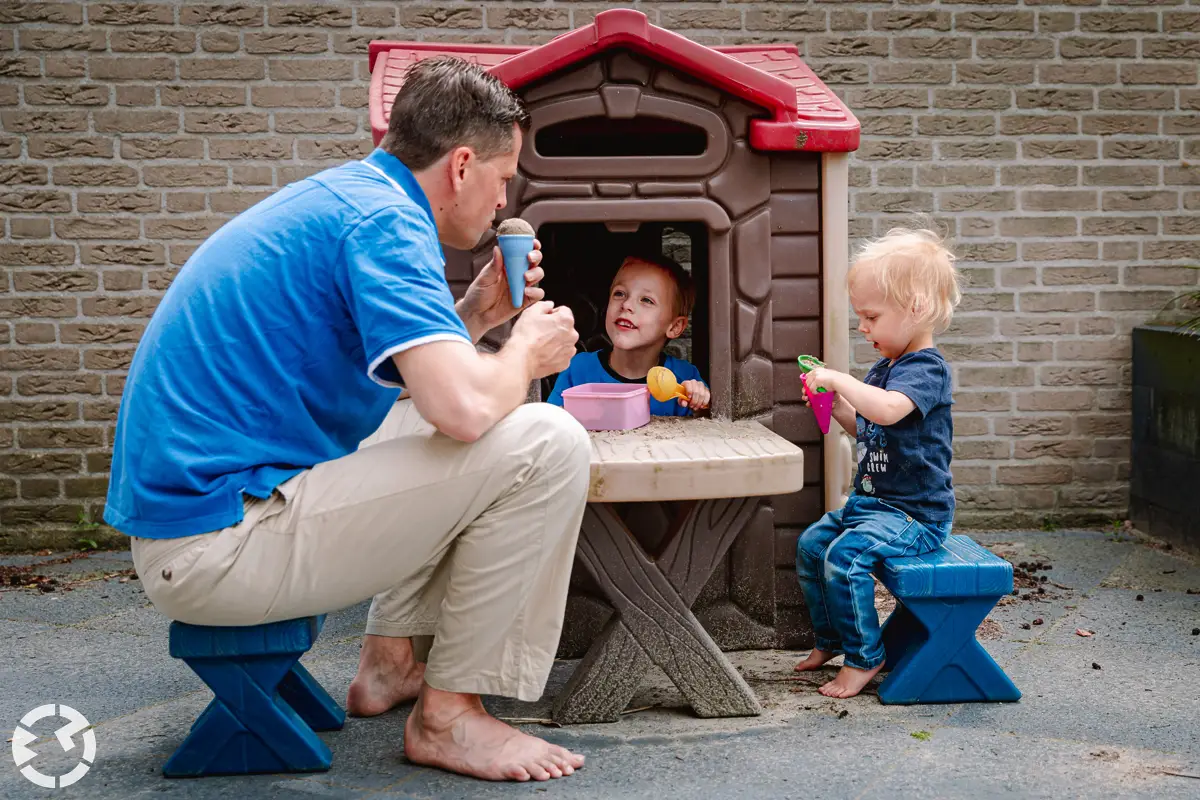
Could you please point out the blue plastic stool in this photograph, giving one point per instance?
(267, 705)
(942, 597)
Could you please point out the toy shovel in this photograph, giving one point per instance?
(820, 401)
(663, 385)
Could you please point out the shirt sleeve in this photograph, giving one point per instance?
(396, 290)
(563, 382)
(923, 378)
(686, 371)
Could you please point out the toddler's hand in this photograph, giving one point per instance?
(698, 395)
(822, 378)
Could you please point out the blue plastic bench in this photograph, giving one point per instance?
(267, 705)
(942, 596)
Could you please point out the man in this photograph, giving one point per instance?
(282, 344)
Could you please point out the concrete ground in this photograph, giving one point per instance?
(1116, 714)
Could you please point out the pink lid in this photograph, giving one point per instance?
(605, 391)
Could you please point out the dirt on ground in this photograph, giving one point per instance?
(31, 576)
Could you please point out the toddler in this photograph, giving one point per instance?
(648, 305)
(903, 287)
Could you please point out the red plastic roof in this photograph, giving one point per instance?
(806, 115)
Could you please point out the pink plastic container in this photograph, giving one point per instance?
(608, 406)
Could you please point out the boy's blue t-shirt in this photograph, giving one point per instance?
(594, 368)
(271, 351)
(907, 465)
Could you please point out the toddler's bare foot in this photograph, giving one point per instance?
(816, 659)
(454, 732)
(849, 682)
(387, 676)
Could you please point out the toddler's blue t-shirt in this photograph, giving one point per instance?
(594, 368)
(907, 465)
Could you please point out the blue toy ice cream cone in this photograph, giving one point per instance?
(515, 237)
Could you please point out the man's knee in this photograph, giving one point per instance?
(564, 443)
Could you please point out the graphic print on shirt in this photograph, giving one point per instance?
(872, 452)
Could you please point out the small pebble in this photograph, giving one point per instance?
(1095, 665)
(1038, 621)
(1025, 626)
(1015, 592)
(1139, 597)
(843, 714)
(1195, 631)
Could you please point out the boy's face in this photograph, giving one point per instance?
(885, 324)
(641, 308)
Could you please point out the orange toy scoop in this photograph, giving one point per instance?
(663, 386)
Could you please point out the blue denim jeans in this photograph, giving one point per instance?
(835, 558)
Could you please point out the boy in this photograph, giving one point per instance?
(904, 288)
(648, 305)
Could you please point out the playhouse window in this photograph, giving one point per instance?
(582, 258)
(602, 137)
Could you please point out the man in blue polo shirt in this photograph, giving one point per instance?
(265, 470)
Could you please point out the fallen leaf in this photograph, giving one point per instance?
(1084, 632)
(924, 736)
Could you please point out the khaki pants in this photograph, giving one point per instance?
(470, 544)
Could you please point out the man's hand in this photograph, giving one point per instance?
(488, 304)
(698, 395)
(549, 336)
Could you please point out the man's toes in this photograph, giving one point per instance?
(565, 757)
(519, 773)
(563, 761)
(537, 771)
(553, 769)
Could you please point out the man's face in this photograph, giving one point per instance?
(641, 308)
(481, 189)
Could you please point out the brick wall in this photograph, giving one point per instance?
(1057, 141)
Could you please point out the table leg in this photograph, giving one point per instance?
(653, 621)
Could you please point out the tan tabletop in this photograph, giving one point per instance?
(677, 458)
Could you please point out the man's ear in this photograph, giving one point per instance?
(677, 327)
(457, 163)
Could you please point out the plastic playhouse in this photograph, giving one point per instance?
(734, 162)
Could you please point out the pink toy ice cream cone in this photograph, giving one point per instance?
(821, 404)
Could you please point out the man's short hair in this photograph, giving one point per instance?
(447, 102)
(685, 287)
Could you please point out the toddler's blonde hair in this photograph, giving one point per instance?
(914, 269)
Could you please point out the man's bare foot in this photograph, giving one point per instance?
(849, 682)
(454, 732)
(387, 676)
(816, 659)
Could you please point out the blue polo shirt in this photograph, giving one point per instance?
(271, 351)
